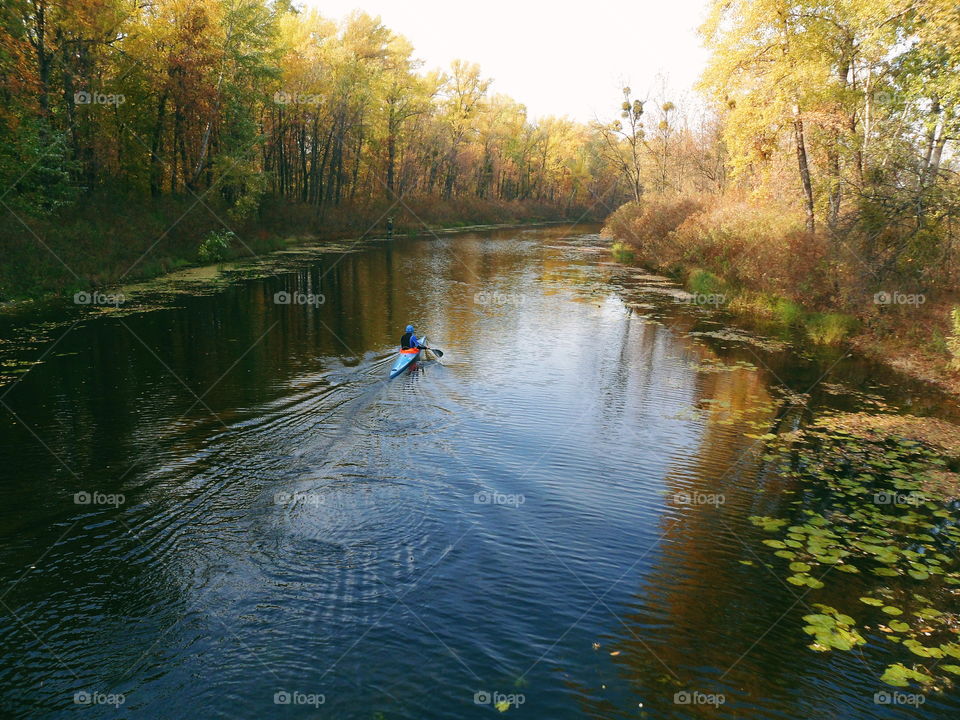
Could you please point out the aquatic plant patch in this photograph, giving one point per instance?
(861, 506)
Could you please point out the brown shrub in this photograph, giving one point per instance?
(648, 227)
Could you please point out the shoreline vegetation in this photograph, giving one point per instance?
(757, 263)
(99, 247)
(820, 192)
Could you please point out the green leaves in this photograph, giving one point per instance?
(767, 523)
(918, 648)
(901, 544)
(899, 675)
(831, 630)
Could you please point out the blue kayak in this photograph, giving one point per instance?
(405, 360)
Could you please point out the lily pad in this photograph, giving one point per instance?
(899, 675)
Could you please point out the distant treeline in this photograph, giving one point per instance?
(131, 131)
(246, 98)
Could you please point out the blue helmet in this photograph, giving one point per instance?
(409, 328)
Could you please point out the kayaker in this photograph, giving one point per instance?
(409, 340)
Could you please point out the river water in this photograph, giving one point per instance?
(215, 505)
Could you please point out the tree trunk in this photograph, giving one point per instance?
(156, 147)
(804, 170)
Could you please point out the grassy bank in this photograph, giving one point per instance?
(755, 260)
(112, 239)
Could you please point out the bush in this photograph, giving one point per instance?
(749, 245)
(648, 227)
(215, 247)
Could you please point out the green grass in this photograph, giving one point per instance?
(823, 328)
(828, 328)
(702, 282)
(622, 252)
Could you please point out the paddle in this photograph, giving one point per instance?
(438, 353)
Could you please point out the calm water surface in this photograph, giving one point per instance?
(508, 526)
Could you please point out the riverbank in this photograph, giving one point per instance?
(108, 242)
(754, 263)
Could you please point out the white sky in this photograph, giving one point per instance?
(558, 58)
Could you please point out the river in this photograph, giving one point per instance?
(215, 504)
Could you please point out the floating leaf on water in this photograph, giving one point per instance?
(799, 567)
(871, 601)
(951, 649)
(900, 676)
(774, 543)
(788, 554)
(891, 610)
(918, 649)
(848, 568)
(899, 626)
(767, 523)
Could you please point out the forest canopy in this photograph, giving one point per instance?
(247, 98)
